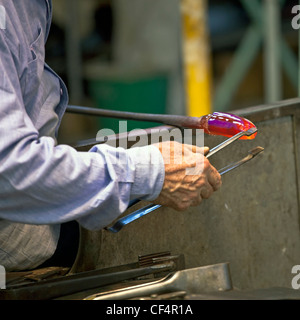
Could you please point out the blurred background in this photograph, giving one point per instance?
(189, 57)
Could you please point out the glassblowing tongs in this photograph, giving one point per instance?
(119, 224)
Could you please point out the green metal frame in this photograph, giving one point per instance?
(264, 30)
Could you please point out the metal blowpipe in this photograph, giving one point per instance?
(217, 123)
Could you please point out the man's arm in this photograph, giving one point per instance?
(42, 183)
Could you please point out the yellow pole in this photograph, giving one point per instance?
(196, 56)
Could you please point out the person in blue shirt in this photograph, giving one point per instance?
(44, 184)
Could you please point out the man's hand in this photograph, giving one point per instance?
(189, 177)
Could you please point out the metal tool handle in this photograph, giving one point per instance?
(132, 217)
(172, 120)
(210, 278)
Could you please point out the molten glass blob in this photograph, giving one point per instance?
(226, 124)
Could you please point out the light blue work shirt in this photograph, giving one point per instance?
(43, 184)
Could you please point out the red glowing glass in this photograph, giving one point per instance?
(226, 124)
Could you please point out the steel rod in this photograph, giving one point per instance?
(272, 37)
(172, 120)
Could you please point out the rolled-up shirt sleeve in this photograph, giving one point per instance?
(45, 183)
